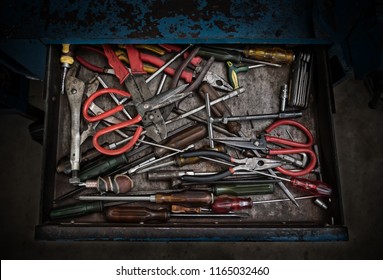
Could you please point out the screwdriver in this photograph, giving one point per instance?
(225, 203)
(222, 55)
(316, 187)
(185, 197)
(233, 71)
(66, 60)
(240, 189)
(179, 161)
(127, 214)
(275, 55)
(80, 209)
(118, 184)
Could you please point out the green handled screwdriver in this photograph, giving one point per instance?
(240, 189)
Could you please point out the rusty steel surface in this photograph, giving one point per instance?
(150, 21)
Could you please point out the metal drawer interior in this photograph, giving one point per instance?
(280, 221)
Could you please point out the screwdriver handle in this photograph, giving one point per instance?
(274, 55)
(225, 204)
(75, 210)
(316, 187)
(185, 209)
(183, 139)
(243, 189)
(120, 183)
(102, 167)
(198, 198)
(127, 214)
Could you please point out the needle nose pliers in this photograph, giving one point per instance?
(248, 164)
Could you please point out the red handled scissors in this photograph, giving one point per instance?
(293, 147)
(142, 108)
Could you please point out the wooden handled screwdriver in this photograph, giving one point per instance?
(127, 214)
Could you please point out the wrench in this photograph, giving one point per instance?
(75, 91)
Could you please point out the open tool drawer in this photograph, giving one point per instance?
(277, 221)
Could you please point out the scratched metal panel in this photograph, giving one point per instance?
(174, 21)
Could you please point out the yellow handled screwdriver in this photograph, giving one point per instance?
(66, 60)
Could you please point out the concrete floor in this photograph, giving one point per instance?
(359, 137)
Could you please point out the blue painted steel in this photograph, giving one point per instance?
(164, 21)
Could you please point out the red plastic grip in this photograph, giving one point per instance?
(108, 113)
(119, 68)
(135, 60)
(111, 128)
(273, 139)
(225, 204)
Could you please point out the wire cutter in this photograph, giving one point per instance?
(247, 164)
(293, 147)
(143, 109)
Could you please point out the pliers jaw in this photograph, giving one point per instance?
(255, 164)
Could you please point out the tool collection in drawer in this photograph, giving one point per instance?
(196, 140)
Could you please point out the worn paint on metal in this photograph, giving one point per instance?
(151, 21)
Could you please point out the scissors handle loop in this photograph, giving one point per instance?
(273, 139)
(114, 127)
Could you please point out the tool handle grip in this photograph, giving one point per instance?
(207, 178)
(120, 183)
(207, 153)
(316, 187)
(114, 127)
(104, 166)
(243, 189)
(310, 138)
(75, 210)
(225, 204)
(108, 113)
(183, 139)
(119, 68)
(187, 197)
(128, 214)
(306, 170)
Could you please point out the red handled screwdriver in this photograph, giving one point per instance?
(226, 204)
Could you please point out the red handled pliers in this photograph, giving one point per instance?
(293, 147)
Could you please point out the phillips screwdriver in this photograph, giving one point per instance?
(128, 214)
(316, 187)
(66, 60)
